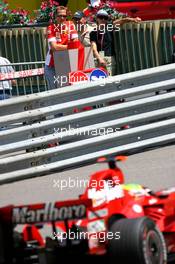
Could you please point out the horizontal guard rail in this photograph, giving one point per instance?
(79, 91)
(86, 146)
(66, 107)
(149, 110)
(87, 118)
(83, 132)
(45, 169)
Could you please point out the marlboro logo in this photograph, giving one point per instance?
(49, 212)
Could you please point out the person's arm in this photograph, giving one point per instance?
(52, 40)
(126, 20)
(73, 34)
(97, 55)
(55, 46)
(11, 69)
(14, 82)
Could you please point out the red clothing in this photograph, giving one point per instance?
(63, 34)
(81, 56)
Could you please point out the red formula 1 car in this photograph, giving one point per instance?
(122, 223)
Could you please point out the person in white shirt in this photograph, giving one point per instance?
(6, 86)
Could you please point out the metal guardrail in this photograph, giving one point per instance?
(27, 80)
(23, 44)
(164, 40)
(42, 113)
(149, 110)
(145, 45)
(111, 84)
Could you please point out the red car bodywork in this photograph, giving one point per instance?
(135, 201)
(147, 10)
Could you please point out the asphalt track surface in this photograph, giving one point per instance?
(155, 169)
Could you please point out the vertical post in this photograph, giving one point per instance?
(156, 34)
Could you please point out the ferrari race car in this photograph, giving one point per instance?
(111, 221)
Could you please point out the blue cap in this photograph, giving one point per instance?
(102, 12)
(78, 14)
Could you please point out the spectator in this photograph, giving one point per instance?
(82, 28)
(58, 35)
(6, 86)
(102, 40)
(91, 4)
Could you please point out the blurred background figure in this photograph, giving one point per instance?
(102, 39)
(82, 27)
(58, 35)
(102, 42)
(6, 86)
